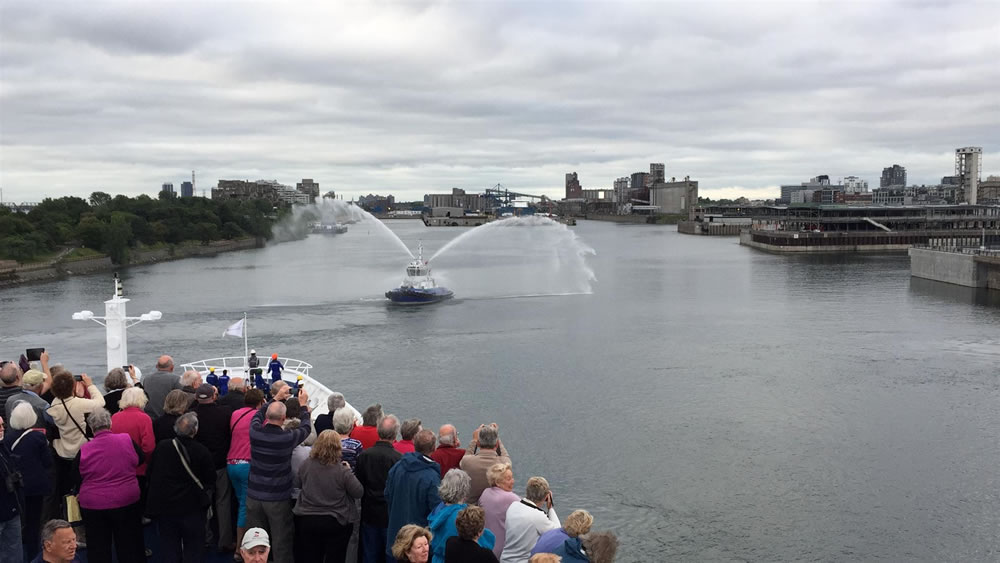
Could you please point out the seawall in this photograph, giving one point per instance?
(965, 267)
(60, 269)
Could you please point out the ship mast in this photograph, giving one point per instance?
(117, 323)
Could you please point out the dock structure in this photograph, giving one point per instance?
(836, 229)
(970, 267)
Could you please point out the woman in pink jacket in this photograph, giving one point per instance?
(130, 419)
(109, 493)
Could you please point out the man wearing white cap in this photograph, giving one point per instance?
(256, 545)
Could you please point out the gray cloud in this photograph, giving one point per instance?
(418, 97)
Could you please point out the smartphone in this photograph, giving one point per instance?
(78, 377)
(126, 368)
(33, 354)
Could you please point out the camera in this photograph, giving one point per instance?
(78, 377)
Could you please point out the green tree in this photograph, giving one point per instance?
(90, 231)
(117, 237)
(100, 199)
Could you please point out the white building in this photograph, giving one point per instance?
(855, 185)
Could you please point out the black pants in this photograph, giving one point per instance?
(31, 523)
(121, 527)
(321, 539)
(182, 537)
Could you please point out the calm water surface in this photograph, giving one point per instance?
(705, 401)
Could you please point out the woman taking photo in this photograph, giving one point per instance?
(238, 458)
(109, 492)
(68, 411)
(325, 513)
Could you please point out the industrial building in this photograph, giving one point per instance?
(674, 197)
(573, 188)
(270, 190)
(969, 169)
(458, 198)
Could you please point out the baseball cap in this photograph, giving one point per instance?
(254, 537)
(205, 391)
(33, 377)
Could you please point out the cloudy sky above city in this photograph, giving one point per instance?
(419, 97)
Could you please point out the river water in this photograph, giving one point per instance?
(706, 401)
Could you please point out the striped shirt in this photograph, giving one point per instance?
(350, 449)
(271, 456)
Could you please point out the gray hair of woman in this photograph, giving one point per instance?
(186, 425)
(23, 416)
(343, 421)
(455, 486)
(100, 419)
(133, 397)
(496, 472)
(115, 380)
(177, 402)
(600, 546)
(536, 489)
(335, 401)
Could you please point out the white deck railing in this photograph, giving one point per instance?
(237, 366)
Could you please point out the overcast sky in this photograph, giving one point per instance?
(419, 97)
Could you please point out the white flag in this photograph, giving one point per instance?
(236, 329)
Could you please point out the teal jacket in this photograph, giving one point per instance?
(442, 525)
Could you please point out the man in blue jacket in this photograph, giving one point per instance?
(411, 492)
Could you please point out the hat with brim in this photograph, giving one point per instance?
(255, 537)
(33, 377)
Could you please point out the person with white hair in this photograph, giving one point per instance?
(343, 423)
(33, 460)
(453, 490)
(496, 500)
(178, 498)
(191, 381)
(448, 453)
(483, 452)
(131, 419)
(334, 403)
(528, 519)
(109, 493)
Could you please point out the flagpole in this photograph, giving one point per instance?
(246, 349)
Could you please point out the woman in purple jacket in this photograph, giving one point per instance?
(109, 492)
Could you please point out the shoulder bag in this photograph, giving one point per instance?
(182, 453)
(87, 434)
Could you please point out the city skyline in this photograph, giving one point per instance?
(411, 99)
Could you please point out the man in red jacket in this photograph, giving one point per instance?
(367, 433)
(448, 453)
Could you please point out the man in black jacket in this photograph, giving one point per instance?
(233, 400)
(179, 498)
(372, 470)
(214, 433)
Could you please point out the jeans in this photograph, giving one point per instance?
(10, 541)
(321, 539)
(372, 544)
(121, 527)
(275, 517)
(182, 537)
(239, 475)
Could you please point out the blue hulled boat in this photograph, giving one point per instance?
(418, 286)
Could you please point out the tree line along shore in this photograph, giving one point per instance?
(119, 227)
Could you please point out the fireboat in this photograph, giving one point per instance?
(418, 287)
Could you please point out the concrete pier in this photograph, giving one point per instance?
(969, 267)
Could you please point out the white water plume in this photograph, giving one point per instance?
(330, 211)
(515, 256)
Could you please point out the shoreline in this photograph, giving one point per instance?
(62, 269)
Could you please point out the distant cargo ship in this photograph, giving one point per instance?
(329, 228)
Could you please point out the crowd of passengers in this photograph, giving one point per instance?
(227, 467)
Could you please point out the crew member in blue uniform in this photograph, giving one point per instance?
(223, 385)
(211, 378)
(275, 368)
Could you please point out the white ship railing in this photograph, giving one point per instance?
(237, 366)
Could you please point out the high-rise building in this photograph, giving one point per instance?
(893, 176)
(309, 187)
(187, 189)
(657, 172)
(167, 187)
(573, 188)
(969, 167)
(855, 185)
